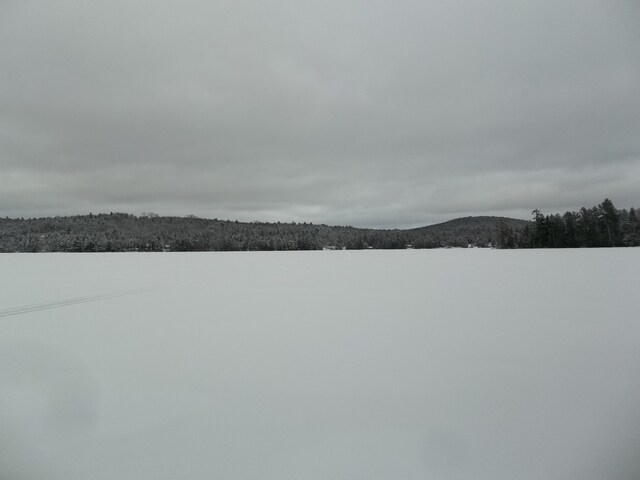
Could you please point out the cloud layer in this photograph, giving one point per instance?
(372, 113)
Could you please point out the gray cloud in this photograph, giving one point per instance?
(371, 113)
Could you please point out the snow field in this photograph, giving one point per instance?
(437, 364)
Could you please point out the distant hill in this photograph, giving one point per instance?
(461, 232)
(464, 223)
(124, 232)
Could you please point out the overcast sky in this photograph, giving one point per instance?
(366, 112)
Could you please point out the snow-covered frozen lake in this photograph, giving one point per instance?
(434, 364)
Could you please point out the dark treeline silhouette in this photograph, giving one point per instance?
(599, 226)
(121, 232)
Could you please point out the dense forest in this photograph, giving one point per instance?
(599, 226)
(122, 232)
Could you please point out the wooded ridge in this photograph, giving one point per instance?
(121, 232)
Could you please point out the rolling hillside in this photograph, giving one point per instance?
(124, 232)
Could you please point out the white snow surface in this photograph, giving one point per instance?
(433, 364)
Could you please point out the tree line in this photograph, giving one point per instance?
(123, 232)
(600, 226)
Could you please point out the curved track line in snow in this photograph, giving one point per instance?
(7, 312)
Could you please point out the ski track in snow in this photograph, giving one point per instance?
(21, 310)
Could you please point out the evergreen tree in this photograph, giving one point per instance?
(609, 223)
